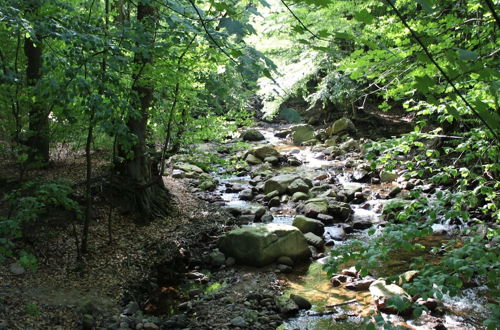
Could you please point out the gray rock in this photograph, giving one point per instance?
(301, 302)
(252, 135)
(272, 160)
(177, 174)
(252, 160)
(394, 192)
(302, 133)
(325, 218)
(238, 322)
(262, 244)
(88, 322)
(315, 206)
(350, 144)
(340, 126)
(307, 225)
(293, 161)
(274, 202)
(246, 195)
(335, 233)
(280, 183)
(314, 240)
(298, 185)
(259, 213)
(286, 305)
(284, 268)
(186, 167)
(131, 308)
(284, 260)
(150, 326)
(16, 268)
(386, 176)
(360, 285)
(265, 151)
(299, 196)
(217, 258)
(339, 210)
(230, 261)
(271, 195)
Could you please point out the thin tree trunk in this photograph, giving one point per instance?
(38, 117)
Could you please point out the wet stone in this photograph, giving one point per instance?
(274, 202)
(246, 195)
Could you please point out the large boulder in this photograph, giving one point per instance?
(261, 245)
(265, 151)
(252, 135)
(340, 126)
(302, 133)
(279, 183)
(308, 225)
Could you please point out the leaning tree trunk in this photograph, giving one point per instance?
(38, 117)
(139, 178)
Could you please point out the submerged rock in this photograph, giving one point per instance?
(261, 245)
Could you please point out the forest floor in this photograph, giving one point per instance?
(64, 294)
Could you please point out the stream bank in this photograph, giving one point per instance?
(333, 169)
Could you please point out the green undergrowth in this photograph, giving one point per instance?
(28, 207)
(464, 170)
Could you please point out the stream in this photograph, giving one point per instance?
(310, 281)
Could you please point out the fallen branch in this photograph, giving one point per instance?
(348, 302)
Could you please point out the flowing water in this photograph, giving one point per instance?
(311, 281)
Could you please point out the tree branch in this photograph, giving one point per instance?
(443, 73)
(491, 6)
(210, 35)
(301, 23)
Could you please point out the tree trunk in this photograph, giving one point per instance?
(144, 185)
(38, 117)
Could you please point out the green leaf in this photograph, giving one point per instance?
(343, 35)
(426, 5)
(492, 118)
(232, 26)
(452, 111)
(466, 55)
(422, 84)
(364, 16)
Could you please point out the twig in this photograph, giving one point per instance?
(210, 35)
(491, 6)
(301, 23)
(348, 302)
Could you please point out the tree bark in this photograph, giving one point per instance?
(38, 116)
(143, 184)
